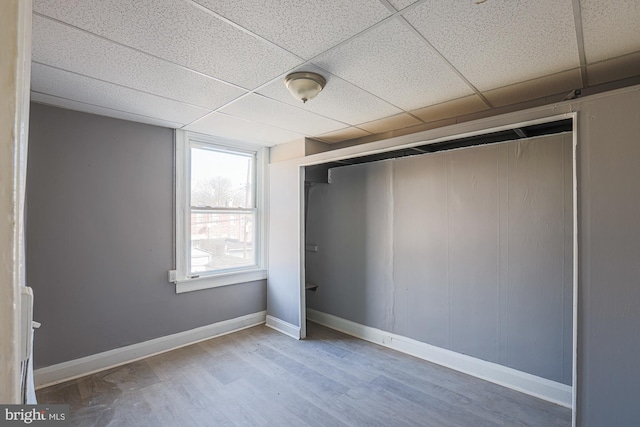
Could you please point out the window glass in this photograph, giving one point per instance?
(221, 179)
(222, 210)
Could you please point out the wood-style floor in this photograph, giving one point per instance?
(259, 377)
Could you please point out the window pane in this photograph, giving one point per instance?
(220, 179)
(221, 240)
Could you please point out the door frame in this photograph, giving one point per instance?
(14, 126)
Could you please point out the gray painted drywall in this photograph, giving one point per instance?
(100, 238)
(608, 377)
(468, 250)
(609, 261)
(352, 228)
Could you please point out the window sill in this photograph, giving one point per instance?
(207, 282)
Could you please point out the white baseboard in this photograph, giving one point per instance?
(72, 369)
(542, 388)
(284, 327)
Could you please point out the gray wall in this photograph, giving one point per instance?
(608, 382)
(609, 261)
(468, 250)
(100, 239)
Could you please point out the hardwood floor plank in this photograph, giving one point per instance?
(435, 407)
(313, 353)
(226, 367)
(337, 407)
(287, 397)
(260, 377)
(164, 365)
(314, 380)
(131, 410)
(517, 408)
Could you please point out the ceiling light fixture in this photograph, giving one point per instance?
(304, 85)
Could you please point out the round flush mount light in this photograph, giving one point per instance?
(304, 85)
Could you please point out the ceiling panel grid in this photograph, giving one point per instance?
(178, 32)
(261, 109)
(340, 100)
(60, 83)
(96, 57)
(304, 27)
(501, 42)
(242, 130)
(393, 63)
(217, 66)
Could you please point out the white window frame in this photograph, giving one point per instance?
(185, 282)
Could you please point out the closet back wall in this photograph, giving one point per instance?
(470, 250)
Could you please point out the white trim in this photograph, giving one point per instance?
(182, 188)
(442, 134)
(207, 140)
(184, 283)
(541, 114)
(542, 388)
(72, 369)
(302, 238)
(284, 327)
(574, 373)
(206, 282)
(14, 127)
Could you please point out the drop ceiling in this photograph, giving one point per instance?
(217, 66)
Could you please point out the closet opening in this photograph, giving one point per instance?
(465, 246)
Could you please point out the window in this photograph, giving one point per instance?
(219, 213)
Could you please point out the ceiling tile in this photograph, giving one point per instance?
(387, 124)
(179, 32)
(101, 111)
(401, 4)
(304, 27)
(65, 84)
(340, 100)
(610, 28)
(99, 58)
(242, 130)
(614, 69)
(342, 135)
(500, 42)
(273, 113)
(395, 64)
(536, 88)
(454, 108)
